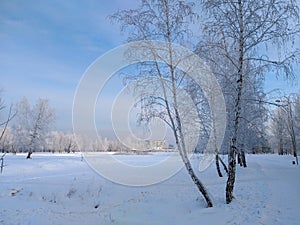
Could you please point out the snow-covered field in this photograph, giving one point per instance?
(63, 189)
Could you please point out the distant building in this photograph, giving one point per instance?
(154, 144)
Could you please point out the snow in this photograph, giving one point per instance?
(63, 189)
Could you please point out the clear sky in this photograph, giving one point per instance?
(45, 47)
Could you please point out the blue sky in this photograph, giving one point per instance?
(47, 45)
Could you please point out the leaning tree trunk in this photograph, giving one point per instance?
(177, 130)
(223, 164)
(218, 165)
(180, 143)
(216, 148)
(186, 161)
(198, 183)
(194, 177)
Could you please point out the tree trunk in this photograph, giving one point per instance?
(29, 155)
(223, 164)
(199, 184)
(280, 149)
(233, 148)
(2, 162)
(180, 138)
(218, 166)
(196, 180)
(243, 158)
(182, 150)
(231, 173)
(239, 158)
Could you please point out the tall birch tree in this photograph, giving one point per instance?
(164, 20)
(242, 31)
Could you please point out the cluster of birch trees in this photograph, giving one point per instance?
(235, 39)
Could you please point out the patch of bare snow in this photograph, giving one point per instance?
(61, 189)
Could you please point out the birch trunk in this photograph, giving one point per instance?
(233, 149)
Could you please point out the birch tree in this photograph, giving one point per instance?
(32, 125)
(242, 31)
(5, 137)
(61, 142)
(287, 106)
(278, 130)
(166, 20)
(297, 119)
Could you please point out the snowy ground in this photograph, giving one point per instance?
(62, 189)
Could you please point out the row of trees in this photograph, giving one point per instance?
(29, 128)
(18, 130)
(234, 40)
(285, 125)
(56, 142)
